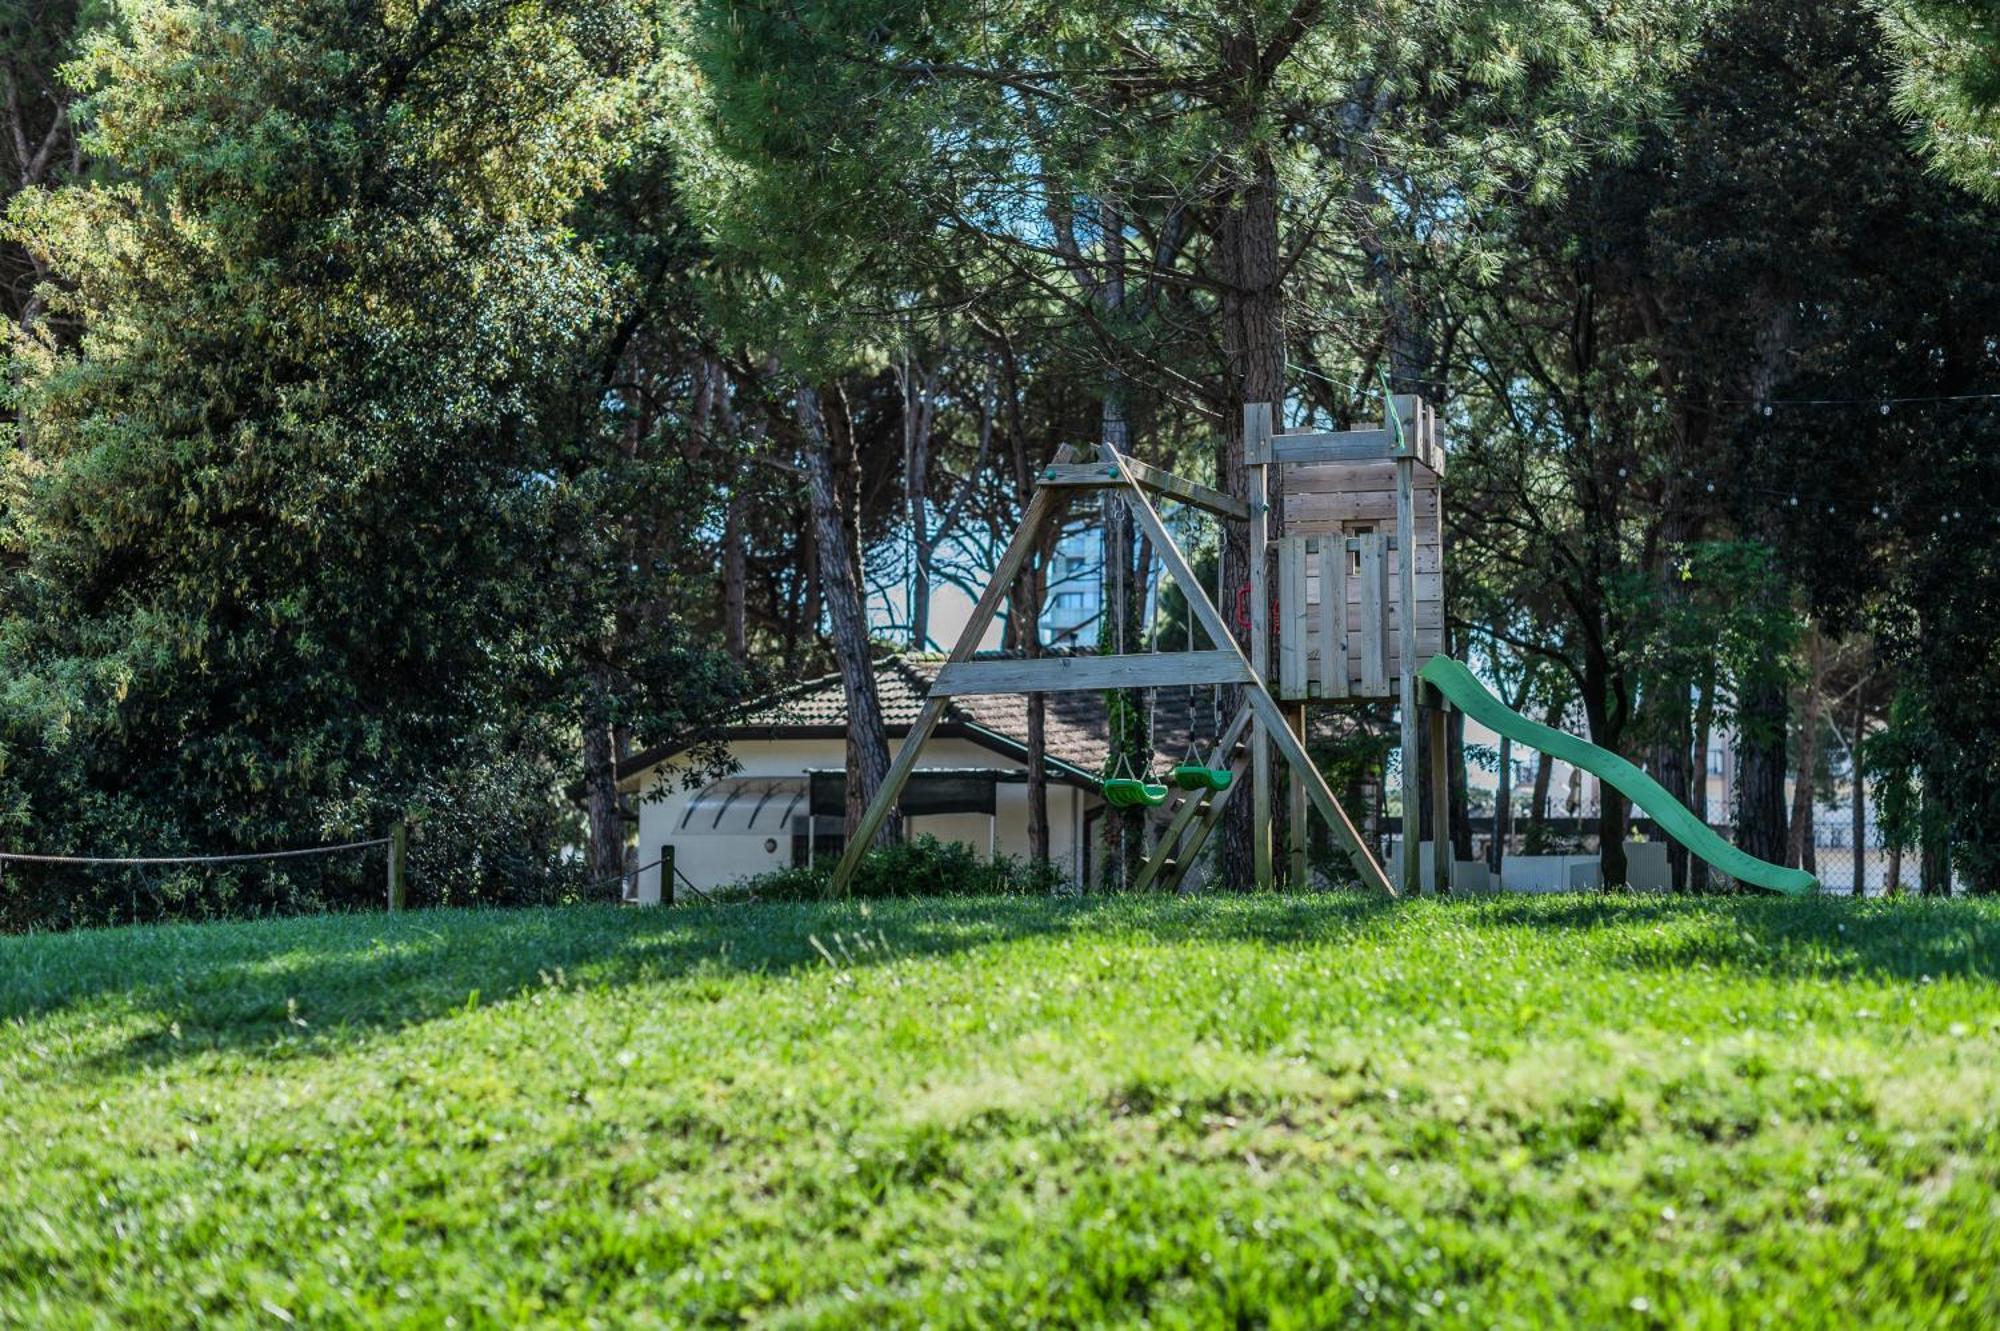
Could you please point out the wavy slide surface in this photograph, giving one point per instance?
(1466, 693)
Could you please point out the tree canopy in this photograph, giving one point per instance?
(413, 411)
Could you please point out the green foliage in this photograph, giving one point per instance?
(1951, 83)
(1227, 1111)
(298, 537)
(923, 866)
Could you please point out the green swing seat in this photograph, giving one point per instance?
(1124, 792)
(1200, 776)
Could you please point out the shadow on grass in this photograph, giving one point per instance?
(1909, 939)
(321, 981)
(196, 988)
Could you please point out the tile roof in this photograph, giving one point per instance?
(1075, 726)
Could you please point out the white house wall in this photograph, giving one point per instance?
(711, 860)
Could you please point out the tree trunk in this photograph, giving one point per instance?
(1123, 829)
(919, 404)
(1503, 790)
(1536, 839)
(1760, 781)
(1668, 757)
(605, 852)
(1613, 811)
(1461, 804)
(1031, 592)
(1024, 628)
(840, 586)
(1933, 847)
(735, 584)
(1799, 845)
(1670, 719)
(1253, 340)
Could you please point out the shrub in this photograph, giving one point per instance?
(921, 867)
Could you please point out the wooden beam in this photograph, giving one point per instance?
(1063, 674)
(1080, 476)
(1258, 432)
(1188, 492)
(1296, 828)
(1344, 832)
(1334, 446)
(1333, 680)
(1403, 422)
(1094, 476)
(1259, 697)
(1406, 667)
(1257, 428)
(399, 861)
(1211, 816)
(1198, 802)
(1292, 618)
(1441, 852)
(1374, 616)
(1043, 507)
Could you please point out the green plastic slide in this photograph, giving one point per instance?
(1466, 693)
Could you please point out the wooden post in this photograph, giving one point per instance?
(1257, 431)
(667, 869)
(1046, 505)
(1195, 803)
(1406, 634)
(1263, 706)
(1297, 829)
(1197, 837)
(1441, 852)
(399, 858)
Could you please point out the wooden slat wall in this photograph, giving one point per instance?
(1365, 637)
(1329, 558)
(1327, 504)
(1368, 630)
(1292, 599)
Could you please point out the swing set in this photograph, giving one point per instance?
(1337, 629)
(1358, 618)
(1123, 789)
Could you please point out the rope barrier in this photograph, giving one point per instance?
(623, 874)
(690, 883)
(192, 859)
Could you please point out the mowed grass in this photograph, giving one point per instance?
(1259, 1111)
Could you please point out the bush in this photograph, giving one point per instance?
(922, 867)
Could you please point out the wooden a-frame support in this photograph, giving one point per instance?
(1227, 664)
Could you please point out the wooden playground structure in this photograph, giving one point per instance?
(1359, 611)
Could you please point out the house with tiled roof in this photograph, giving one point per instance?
(784, 802)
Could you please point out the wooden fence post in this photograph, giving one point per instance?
(399, 858)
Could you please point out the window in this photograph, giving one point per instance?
(817, 839)
(1354, 556)
(1074, 564)
(1069, 601)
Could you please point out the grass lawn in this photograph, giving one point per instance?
(1261, 1111)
